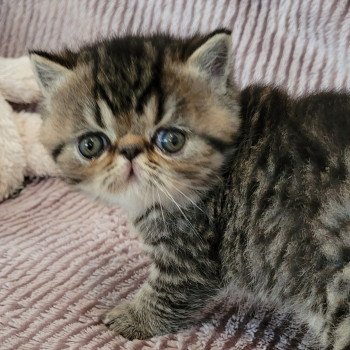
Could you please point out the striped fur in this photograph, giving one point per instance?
(256, 198)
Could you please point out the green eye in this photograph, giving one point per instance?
(92, 145)
(170, 140)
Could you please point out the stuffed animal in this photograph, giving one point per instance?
(21, 154)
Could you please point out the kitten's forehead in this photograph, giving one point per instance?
(171, 98)
(122, 84)
(133, 85)
(109, 87)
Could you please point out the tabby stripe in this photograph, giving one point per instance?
(162, 307)
(297, 339)
(103, 94)
(98, 117)
(160, 100)
(157, 73)
(345, 252)
(216, 143)
(155, 207)
(136, 85)
(57, 151)
(250, 193)
(265, 323)
(154, 86)
(266, 199)
(308, 147)
(144, 97)
(279, 331)
(341, 312)
(174, 268)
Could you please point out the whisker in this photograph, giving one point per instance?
(161, 209)
(171, 179)
(189, 199)
(164, 190)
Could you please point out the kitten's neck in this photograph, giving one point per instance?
(157, 222)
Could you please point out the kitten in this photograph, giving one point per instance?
(249, 188)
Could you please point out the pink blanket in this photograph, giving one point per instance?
(64, 260)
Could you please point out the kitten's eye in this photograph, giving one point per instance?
(92, 145)
(170, 141)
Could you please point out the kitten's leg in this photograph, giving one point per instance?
(164, 304)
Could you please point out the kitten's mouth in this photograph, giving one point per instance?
(131, 172)
(132, 175)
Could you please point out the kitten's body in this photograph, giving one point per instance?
(259, 197)
(288, 212)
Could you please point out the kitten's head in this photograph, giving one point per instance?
(140, 120)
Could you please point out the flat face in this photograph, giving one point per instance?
(136, 122)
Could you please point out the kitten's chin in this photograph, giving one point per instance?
(131, 197)
(134, 205)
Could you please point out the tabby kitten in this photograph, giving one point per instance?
(246, 188)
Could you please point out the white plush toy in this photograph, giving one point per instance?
(21, 154)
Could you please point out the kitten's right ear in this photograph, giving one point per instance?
(48, 68)
(212, 58)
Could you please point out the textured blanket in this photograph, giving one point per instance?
(65, 260)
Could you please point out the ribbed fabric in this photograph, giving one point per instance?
(64, 260)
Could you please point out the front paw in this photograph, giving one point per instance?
(123, 320)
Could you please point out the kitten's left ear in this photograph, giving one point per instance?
(49, 69)
(212, 58)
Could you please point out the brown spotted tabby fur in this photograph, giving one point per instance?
(258, 197)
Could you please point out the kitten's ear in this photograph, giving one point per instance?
(48, 69)
(212, 58)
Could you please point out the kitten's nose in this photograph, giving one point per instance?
(131, 151)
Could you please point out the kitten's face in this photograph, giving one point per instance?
(141, 126)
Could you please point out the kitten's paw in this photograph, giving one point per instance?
(123, 320)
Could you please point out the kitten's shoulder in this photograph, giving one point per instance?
(330, 104)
